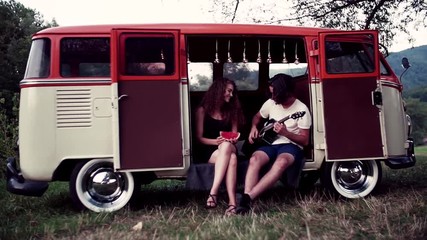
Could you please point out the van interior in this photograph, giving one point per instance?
(250, 61)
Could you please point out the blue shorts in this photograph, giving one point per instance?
(274, 150)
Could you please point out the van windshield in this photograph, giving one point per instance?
(38, 65)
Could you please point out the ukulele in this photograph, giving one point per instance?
(268, 135)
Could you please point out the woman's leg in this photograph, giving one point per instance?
(221, 159)
(230, 179)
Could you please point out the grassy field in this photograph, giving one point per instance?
(166, 210)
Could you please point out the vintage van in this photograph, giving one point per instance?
(110, 107)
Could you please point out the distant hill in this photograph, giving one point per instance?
(416, 76)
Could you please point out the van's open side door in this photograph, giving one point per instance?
(349, 75)
(146, 99)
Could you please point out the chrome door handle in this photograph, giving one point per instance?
(122, 96)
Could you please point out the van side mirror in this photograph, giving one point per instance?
(405, 63)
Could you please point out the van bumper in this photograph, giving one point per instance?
(16, 183)
(403, 162)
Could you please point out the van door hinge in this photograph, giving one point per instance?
(186, 152)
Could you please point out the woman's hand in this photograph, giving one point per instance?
(220, 140)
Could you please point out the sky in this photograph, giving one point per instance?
(87, 12)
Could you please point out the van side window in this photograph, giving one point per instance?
(349, 57)
(85, 57)
(383, 69)
(147, 56)
(39, 60)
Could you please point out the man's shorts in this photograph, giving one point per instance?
(275, 150)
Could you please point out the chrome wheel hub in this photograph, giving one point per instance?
(104, 185)
(353, 176)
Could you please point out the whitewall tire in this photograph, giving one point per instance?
(352, 179)
(95, 185)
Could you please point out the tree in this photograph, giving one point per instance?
(240, 11)
(17, 24)
(390, 17)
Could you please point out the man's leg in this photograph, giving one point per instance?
(256, 162)
(282, 162)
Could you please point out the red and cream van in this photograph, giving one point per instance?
(110, 107)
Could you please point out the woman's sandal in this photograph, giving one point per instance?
(231, 211)
(211, 203)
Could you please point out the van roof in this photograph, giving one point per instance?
(190, 28)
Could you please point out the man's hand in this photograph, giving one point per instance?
(280, 129)
(253, 134)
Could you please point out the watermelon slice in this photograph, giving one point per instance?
(229, 135)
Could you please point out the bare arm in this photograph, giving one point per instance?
(301, 138)
(254, 130)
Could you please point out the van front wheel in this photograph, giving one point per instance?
(96, 186)
(352, 179)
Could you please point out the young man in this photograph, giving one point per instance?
(292, 135)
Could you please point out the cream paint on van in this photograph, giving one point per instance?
(317, 125)
(36, 135)
(394, 116)
(51, 137)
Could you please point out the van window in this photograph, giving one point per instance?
(244, 74)
(39, 60)
(146, 56)
(200, 75)
(85, 57)
(247, 60)
(349, 57)
(291, 69)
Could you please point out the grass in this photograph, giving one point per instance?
(421, 151)
(166, 210)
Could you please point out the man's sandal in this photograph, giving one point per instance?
(211, 203)
(231, 211)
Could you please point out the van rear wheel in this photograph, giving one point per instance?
(352, 179)
(96, 186)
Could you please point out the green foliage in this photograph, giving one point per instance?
(8, 127)
(421, 151)
(415, 78)
(17, 25)
(418, 112)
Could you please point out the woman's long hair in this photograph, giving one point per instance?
(231, 111)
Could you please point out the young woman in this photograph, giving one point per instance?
(220, 111)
